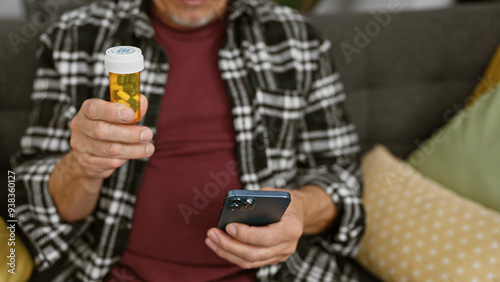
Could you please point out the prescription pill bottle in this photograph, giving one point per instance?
(124, 64)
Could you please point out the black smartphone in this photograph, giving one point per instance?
(255, 208)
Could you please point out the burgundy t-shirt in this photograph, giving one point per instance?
(194, 165)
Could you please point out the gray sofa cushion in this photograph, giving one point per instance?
(418, 70)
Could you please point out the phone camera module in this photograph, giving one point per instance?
(249, 204)
(235, 204)
(236, 201)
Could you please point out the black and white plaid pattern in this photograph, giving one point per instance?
(288, 118)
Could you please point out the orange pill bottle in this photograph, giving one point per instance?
(124, 64)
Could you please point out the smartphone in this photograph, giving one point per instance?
(255, 208)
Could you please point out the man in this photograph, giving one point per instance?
(238, 95)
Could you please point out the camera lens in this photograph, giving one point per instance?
(236, 201)
(247, 206)
(234, 207)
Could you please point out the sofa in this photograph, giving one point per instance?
(405, 73)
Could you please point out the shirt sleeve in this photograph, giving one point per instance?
(328, 150)
(328, 157)
(44, 143)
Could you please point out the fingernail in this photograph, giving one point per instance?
(213, 237)
(230, 229)
(210, 244)
(150, 148)
(145, 136)
(126, 115)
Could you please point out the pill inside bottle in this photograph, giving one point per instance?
(124, 64)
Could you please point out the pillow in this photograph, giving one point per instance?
(23, 262)
(465, 154)
(490, 78)
(417, 230)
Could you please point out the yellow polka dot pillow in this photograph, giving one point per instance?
(418, 230)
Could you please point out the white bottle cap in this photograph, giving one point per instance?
(124, 60)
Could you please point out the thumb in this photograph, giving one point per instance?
(233, 228)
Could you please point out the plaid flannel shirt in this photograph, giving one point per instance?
(290, 131)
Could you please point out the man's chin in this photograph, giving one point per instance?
(192, 22)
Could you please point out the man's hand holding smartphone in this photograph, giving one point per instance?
(252, 246)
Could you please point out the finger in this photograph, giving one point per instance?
(96, 173)
(97, 164)
(123, 151)
(260, 236)
(98, 109)
(92, 166)
(245, 264)
(246, 252)
(113, 150)
(105, 131)
(266, 236)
